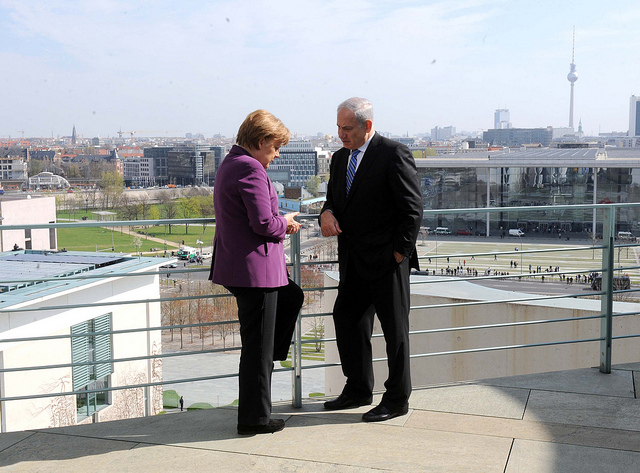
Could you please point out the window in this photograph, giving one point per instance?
(91, 347)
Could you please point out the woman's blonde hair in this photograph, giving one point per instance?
(261, 124)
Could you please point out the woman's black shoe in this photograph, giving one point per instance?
(274, 425)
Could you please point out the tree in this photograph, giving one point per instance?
(313, 184)
(111, 184)
(170, 211)
(144, 204)
(137, 243)
(128, 209)
(225, 311)
(35, 167)
(189, 208)
(154, 213)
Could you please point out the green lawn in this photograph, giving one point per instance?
(96, 238)
(103, 239)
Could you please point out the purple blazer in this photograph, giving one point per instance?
(247, 248)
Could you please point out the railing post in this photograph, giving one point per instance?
(296, 355)
(606, 301)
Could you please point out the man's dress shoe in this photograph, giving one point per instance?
(345, 402)
(381, 412)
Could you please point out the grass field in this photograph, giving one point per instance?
(101, 239)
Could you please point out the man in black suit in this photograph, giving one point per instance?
(374, 207)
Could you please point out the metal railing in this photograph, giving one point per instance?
(605, 214)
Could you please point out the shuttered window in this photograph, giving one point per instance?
(91, 348)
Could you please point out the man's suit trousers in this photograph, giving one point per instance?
(357, 301)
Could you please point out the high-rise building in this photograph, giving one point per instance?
(634, 116)
(501, 119)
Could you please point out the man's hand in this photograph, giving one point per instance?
(329, 224)
(292, 225)
(398, 257)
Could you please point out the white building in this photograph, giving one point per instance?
(501, 119)
(443, 133)
(45, 180)
(634, 116)
(78, 308)
(12, 167)
(25, 210)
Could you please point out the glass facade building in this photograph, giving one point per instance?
(541, 177)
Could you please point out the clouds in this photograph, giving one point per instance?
(201, 66)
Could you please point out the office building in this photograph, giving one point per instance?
(518, 136)
(298, 161)
(541, 176)
(501, 119)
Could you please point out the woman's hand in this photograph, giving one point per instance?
(292, 225)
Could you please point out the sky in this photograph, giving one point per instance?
(166, 68)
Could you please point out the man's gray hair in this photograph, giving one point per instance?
(362, 109)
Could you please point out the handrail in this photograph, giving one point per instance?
(606, 265)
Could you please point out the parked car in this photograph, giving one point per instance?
(442, 231)
(169, 265)
(461, 231)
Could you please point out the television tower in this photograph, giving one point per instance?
(572, 77)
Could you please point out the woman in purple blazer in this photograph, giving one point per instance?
(248, 260)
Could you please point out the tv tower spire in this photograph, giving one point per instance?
(572, 77)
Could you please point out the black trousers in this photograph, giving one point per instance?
(357, 302)
(267, 321)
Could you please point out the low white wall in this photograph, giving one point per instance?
(472, 366)
(58, 411)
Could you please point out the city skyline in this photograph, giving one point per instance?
(156, 70)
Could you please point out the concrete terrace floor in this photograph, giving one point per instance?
(571, 421)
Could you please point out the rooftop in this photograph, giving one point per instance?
(572, 421)
(16, 267)
(550, 157)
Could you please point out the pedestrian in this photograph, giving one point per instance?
(248, 260)
(374, 207)
(181, 402)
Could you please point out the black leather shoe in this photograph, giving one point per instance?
(345, 402)
(274, 425)
(381, 412)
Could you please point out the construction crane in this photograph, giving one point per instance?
(131, 133)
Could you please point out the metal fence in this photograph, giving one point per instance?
(602, 248)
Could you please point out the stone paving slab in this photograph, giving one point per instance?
(584, 410)
(54, 452)
(389, 447)
(11, 438)
(541, 457)
(523, 429)
(191, 428)
(586, 381)
(473, 399)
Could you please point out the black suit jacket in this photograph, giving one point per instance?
(383, 211)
